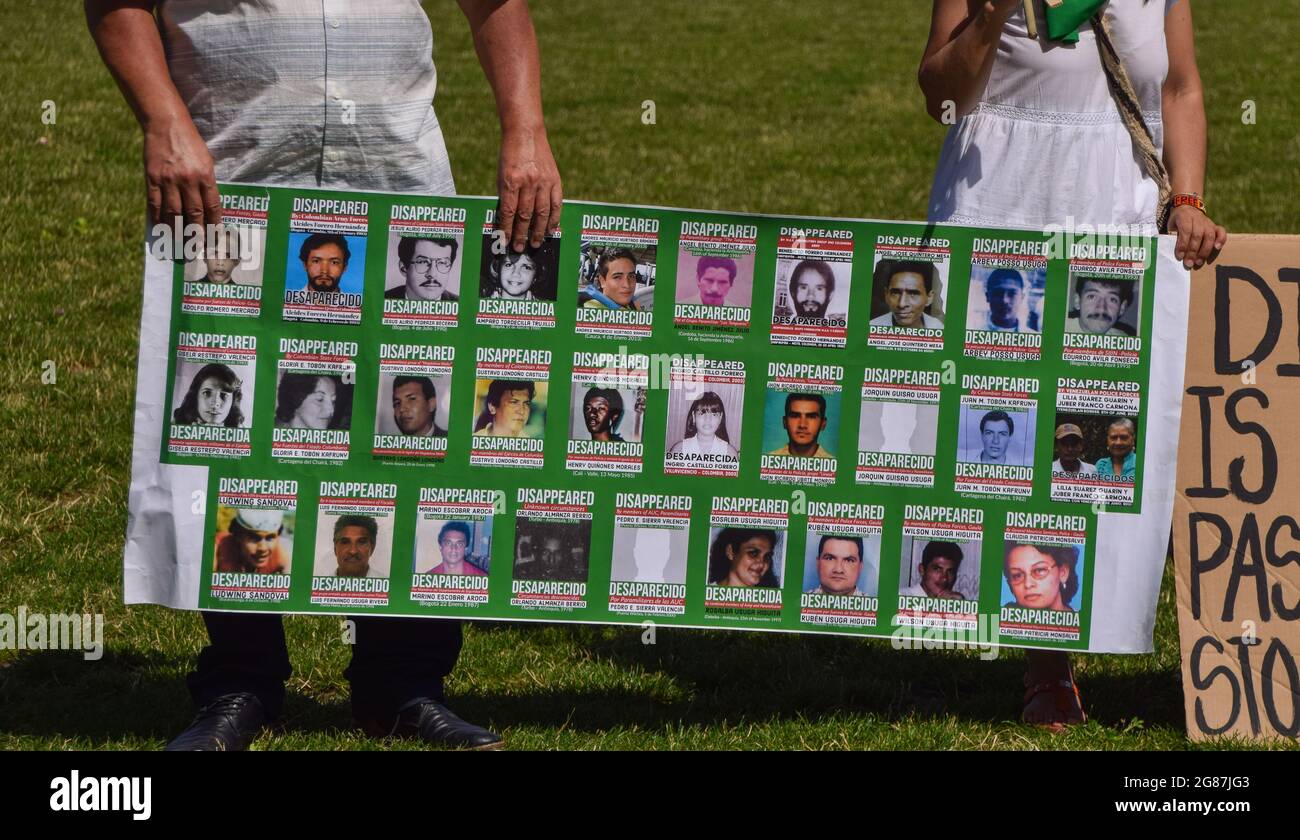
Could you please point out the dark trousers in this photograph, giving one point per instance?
(394, 660)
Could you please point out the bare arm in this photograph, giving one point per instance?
(528, 181)
(1183, 113)
(959, 55)
(179, 179)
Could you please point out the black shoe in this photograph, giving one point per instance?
(433, 722)
(227, 724)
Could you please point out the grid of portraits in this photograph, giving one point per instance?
(705, 421)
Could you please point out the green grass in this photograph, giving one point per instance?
(804, 107)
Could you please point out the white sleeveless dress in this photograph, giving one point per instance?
(1046, 145)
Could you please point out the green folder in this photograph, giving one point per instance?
(1064, 20)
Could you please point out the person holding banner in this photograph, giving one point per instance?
(1108, 131)
(266, 93)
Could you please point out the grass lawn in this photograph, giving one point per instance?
(806, 107)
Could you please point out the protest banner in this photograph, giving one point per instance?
(1236, 538)
(848, 426)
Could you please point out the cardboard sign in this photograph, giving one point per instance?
(1236, 534)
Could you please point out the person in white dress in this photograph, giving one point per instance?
(1036, 139)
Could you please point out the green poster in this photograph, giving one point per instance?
(367, 403)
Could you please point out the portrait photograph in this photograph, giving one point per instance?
(313, 401)
(706, 423)
(236, 256)
(453, 546)
(423, 268)
(510, 408)
(1103, 305)
(325, 262)
(1042, 577)
(353, 545)
(529, 275)
(607, 414)
(413, 405)
(909, 293)
(251, 540)
(745, 557)
(802, 424)
(994, 436)
(614, 276)
(841, 564)
(557, 551)
(811, 290)
(940, 569)
(714, 280)
(1006, 299)
(213, 394)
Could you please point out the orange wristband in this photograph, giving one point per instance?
(1189, 200)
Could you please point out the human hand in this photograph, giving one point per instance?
(1199, 238)
(1001, 10)
(529, 189)
(179, 176)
